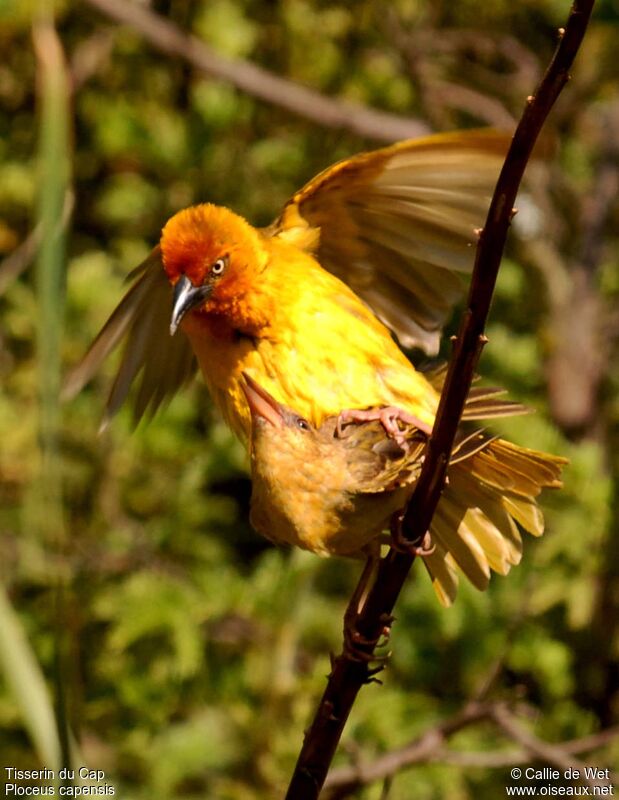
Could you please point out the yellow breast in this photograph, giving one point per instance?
(322, 350)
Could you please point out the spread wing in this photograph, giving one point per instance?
(398, 225)
(142, 318)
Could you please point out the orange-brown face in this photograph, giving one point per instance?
(211, 256)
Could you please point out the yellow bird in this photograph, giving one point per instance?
(302, 307)
(383, 236)
(334, 493)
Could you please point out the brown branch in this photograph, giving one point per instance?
(426, 55)
(430, 747)
(12, 266)
(525, 66)
(553, 754)
(600, 202)
(587, 743)
(89, 55)
(259, 82)
(343, 781)
(348, 676)
(19, 259)
(579, 316)
(463, 98)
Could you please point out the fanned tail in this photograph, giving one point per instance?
(492, 489)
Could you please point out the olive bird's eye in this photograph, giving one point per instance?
(303, 424)
(219, 266)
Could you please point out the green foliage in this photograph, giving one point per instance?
(197, 651)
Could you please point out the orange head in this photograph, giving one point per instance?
(212, 257)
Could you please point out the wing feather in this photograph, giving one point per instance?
(443, 574)
(398, 224)
(449, 529)
(142, 318)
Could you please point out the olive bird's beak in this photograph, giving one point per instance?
(186, 297)
(261, 403)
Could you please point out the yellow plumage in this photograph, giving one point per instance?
(396, 226)
(315, 345)
(336, 494)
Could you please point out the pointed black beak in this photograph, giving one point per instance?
(186, 297)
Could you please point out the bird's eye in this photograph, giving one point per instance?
(303, 424)
(219, 266)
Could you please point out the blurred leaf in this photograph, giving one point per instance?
(22, 673)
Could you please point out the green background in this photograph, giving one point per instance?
(190, 653)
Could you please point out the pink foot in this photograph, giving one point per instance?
(388, 416)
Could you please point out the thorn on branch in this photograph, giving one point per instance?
(375, 670)
(327, 710)
(371, 675)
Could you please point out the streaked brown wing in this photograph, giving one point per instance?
(398, 225)
(142, 318)
(376, 462)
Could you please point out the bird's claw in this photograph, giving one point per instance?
(403, 545)
(360, 648)
(388, 416)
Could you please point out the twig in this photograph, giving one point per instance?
(431, 59)
(347, 676)
(592, 742)
(89, 55)
(259, 82)
(599, 202)
(343, 781)
(87, 58)
(553, 754)
(12, 266)
(19, 259)
(464, 98)
(430, 747)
